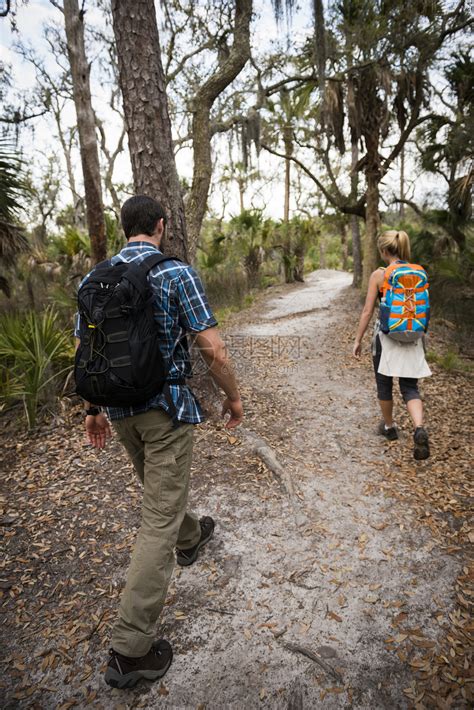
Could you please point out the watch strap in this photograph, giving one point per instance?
(93, 411)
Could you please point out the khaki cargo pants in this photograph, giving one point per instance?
(161, 456)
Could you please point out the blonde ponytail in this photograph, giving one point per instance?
(395, 243)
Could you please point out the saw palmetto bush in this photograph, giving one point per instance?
(13, 190)
(36, 354)
(251, 235)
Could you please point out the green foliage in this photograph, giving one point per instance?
(213, 248)
(63, 298)
(332, 248)
(71, 242)
(449, 361)
(114, 234)
(251, 229)
(13, 189)
(446, 145)
(223, 314)
(226, 287)
(294, 238)
(231, 255)
(251, 233)
(35, 354)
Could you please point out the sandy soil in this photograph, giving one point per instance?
(325, 570)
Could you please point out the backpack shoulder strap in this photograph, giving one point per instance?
(387, 275)
(136, 273)
(98, 267)
(101, 264)
(154, 259)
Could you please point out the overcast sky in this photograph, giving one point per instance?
(39, 142)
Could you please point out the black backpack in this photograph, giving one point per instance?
(119, 362)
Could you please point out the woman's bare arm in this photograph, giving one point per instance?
(375, 283)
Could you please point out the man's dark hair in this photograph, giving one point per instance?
(139, 215)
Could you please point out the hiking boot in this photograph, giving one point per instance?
(421, 450)
(187, 557)
(391, 433)
(125, 672)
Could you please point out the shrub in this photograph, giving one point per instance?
(35, 355)
(225, 287)
(71, 242)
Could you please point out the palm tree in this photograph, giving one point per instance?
(13, 188)
(252, 233)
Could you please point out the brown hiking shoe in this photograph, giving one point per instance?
(125, 672)
(421, 450)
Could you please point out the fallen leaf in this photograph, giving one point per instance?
(371, 598)
(163, 690)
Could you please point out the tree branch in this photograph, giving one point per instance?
(17, 118)
(202, 102)
(411, 204)
(300, 79)
(357, 209)
(57, 5)
(413, 123)
(223, 126)
(181, 64)
(235, 62)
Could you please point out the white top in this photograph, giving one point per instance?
(402, 359)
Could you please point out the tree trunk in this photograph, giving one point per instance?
(80, 75)
(345, 251)
(287, 250)
(145, 103)
(241, 184)
(355, 227)
(356, 252)
(372, 226)
(66, 147)
(402, 183)
(319, 52)
(298, 269)
(252, 263)
(286, 204)
(322, 251)
(202, 103)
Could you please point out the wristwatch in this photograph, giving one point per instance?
(92, 411)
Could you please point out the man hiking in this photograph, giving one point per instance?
(158, 432)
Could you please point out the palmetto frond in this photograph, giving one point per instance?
(12, 190)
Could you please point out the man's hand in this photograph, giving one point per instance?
(214, 352)
(98, 430)
(357, 349)
(236, 411)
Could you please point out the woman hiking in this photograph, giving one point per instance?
(405, 360)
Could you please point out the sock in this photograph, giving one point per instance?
(389, 427)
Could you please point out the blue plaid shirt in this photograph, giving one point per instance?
(180, 307)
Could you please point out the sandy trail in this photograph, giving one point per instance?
(333, 585)
(332, 579)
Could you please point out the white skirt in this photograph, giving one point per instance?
(403, 359)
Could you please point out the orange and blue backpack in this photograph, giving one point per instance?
(405, 303)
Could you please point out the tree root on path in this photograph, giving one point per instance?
(261, 449)
(316, 658)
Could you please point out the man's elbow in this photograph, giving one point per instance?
(212, 347)
(218, 356)
(214, 354)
